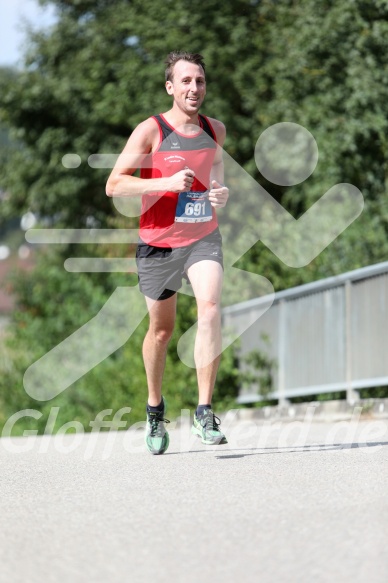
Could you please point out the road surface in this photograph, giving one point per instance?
(282, 502)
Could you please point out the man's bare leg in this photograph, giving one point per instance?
(206, 279)
(161, 326)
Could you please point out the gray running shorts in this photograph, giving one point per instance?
(161, 269)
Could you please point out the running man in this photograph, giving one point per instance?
(181, 184)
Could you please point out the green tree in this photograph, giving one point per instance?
(327, 71)
(86, 85)
(98, 72)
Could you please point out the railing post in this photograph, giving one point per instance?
(282, 355)
(351, 395)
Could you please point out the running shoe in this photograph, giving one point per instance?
(207, 427)
(157, 438)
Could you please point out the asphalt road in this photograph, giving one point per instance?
(282, 502)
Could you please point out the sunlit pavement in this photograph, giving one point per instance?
(289, 502)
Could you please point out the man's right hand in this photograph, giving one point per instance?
(181, 181)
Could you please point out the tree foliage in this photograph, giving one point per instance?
(98, 72)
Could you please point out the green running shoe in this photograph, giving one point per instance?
(207, 427)
(156, 438)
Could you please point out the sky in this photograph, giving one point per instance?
(12, 15)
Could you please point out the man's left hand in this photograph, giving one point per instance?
(218, 194)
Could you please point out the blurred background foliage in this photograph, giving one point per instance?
(99, 71)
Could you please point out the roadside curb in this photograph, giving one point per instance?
(319, 411)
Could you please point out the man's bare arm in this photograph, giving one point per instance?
(219, 193)
(121, 181)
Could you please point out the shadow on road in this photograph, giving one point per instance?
(291, 449)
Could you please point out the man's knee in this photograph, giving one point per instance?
(164, 335)
(209, 315)
(161, 334)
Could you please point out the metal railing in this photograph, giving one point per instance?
(329, 335)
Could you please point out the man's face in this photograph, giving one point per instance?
(188, 86)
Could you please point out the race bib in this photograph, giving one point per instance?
(193, 207)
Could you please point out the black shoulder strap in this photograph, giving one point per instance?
(166, 129)
(207, 127)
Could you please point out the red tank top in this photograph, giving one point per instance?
(171, 219)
